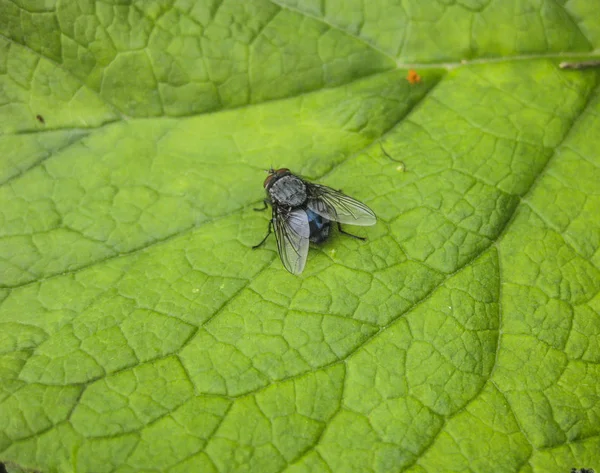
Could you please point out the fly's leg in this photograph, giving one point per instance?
(264, 208)
(349, 234)
(270, 230)
(266, 236)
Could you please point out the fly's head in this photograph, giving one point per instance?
(275, 174)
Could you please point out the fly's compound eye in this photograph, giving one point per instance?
(268, 180)
(275, 174)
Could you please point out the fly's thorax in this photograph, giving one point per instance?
(288, 190)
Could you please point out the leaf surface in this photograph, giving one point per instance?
(140, 332)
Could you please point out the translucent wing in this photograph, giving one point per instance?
(292, 232)
(334, 205)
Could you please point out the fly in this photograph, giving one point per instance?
(303, 212)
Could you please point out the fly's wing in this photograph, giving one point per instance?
(292, 232)
(334, 205)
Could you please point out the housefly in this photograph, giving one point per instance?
(303, 212)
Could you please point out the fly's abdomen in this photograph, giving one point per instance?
(319, 227)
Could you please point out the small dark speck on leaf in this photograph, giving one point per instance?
(40, 119)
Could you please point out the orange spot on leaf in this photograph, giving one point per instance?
(413, 77)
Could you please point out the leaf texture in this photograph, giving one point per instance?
(140, 332)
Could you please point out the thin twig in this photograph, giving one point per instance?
(402, 166)
(579, 65)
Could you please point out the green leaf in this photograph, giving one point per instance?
(140, 332)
